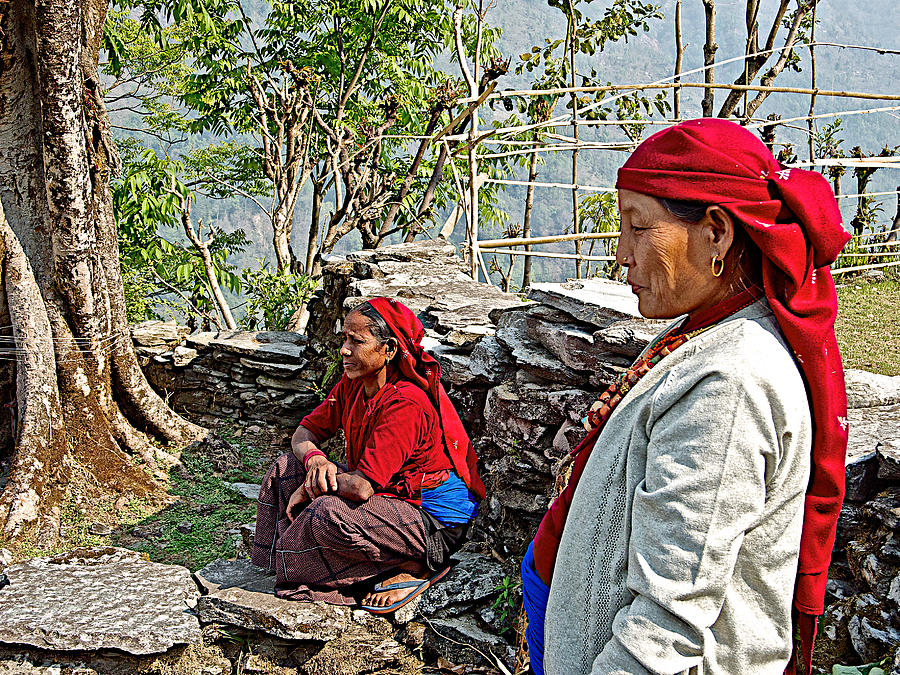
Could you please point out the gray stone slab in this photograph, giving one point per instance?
(248, 490)
(598, 302)
(865, 389)
(275, 369)
(888, 452)
(530, 355)
(455, 367)
(202, 339)
(102, 598)
(283, 385)
(241, 594)
(490, 360)
(182, 356)
(473, 578)
(628, 338)
(158, 333)
(871, 426)
(248, 344)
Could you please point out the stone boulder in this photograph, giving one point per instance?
(107, 598)
(238, 593)
(598, 302)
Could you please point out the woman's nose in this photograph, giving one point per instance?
(622, 253)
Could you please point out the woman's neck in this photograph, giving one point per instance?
(373, 384)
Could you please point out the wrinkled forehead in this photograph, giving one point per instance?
(357, 324)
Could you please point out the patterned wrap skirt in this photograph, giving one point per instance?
(336, 548)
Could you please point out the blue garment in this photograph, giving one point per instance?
(534, 596)
(450, 502)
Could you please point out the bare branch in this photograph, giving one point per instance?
(363, 56)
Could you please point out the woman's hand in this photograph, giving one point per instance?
(295, 503)
(321, 477)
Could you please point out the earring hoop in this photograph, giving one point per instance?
(717, 271)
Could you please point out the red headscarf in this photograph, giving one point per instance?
(793, 218)
(423, 370)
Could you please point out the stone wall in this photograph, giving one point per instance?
(259, 377)
(522, 373)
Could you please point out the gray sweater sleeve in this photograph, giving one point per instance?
(714, 444)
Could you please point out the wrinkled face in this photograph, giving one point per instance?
(362, 355)
(668, 260)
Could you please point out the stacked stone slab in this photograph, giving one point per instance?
(862, 622)
(255, 376)
(109, 611)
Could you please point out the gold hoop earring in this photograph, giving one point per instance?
(721, 267)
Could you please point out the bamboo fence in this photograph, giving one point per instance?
(515, 141)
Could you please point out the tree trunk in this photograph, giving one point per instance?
(81, 399)
(526, 221)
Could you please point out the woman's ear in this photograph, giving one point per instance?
(720, 230)
(391, 348)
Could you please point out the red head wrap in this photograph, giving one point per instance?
(793, 218)
(423, 370)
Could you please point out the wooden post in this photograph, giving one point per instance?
(709, 56)
(679, 56)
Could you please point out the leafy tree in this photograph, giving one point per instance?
(321, 89)
(149, 198)
(275, 299)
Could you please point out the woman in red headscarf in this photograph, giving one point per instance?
(706, 494)
(403, 502)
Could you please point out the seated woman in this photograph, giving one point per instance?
(707, 492)
(403, 502)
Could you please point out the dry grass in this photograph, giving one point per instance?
(868, 325)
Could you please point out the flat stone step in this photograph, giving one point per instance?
(99, 598)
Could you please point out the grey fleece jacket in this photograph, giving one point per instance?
(681, 544)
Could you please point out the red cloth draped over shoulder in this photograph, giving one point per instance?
(793, 218)
(422, 369)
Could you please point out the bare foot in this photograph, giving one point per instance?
(385, 598)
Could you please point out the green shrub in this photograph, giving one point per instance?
(273, 296)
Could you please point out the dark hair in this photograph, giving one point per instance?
(689, 212)
(744, 252)
(378, 327)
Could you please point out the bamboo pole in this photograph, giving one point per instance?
(812, 97)
(859, 268)
(679, 56)
(882, 254)
(563, 120)
(568, 186)
(866, 235)
(702, 85)
(576, 215)
(546, 254)
(869, 194)
(549, 239)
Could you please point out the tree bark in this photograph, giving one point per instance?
(81, 399)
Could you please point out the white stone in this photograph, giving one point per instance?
(101, 598)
